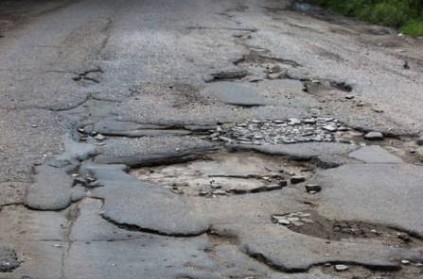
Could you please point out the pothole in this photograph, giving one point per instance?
(226, 174)
(411, 270)
(312, 224)
(314, 86)
(227, 76)
(260, 65)
(260, 57)
(293, 130)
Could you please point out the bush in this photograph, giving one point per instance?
(404, 14)
(390, 13)
(413, 28)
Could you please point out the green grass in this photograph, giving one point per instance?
(406, 15)
(413, 27)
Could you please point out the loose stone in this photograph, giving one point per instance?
(326, 119)
(341, 267)
(404, 237)
(330, 128)
(297, 179)
(215, 186)
(343, 129)
(313, 188)
(377, 110)
(274, 76)
(374, 136)
(219, 192)
(203, 193)
(293, 130)
(90, 179)
(310, 121)
(419, 141)
(280, 220)
(225, 139)
(80, 180)
(255, 79)
(405, 262)
(283, 183)
(294, 121)
(100, 137)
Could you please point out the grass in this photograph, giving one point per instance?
(413, 28)
(406, 15)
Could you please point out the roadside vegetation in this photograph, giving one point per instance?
(406, 15)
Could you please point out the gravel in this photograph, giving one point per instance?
(292, 130)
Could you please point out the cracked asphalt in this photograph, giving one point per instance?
(207, 139)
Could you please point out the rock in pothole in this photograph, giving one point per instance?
(292, 219)
(8, 260)
(374, 136)
(341, 267)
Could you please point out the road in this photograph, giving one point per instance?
(207, 139)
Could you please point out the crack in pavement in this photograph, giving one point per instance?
(136, 228)
(263, 259)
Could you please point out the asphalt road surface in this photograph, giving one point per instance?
(207, 139)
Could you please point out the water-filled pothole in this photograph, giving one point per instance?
(226, 174)
(310, 223)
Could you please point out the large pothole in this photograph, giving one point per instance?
(310, 223)
(227, 174)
